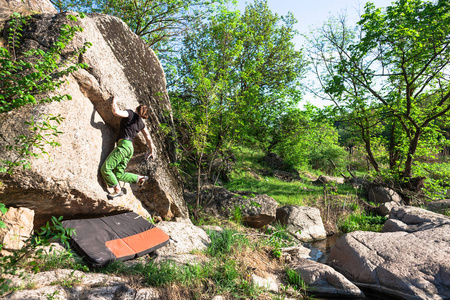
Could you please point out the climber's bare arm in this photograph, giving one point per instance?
(115, 109)
(151, 146)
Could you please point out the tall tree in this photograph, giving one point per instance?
(238, 73)
(396, 69)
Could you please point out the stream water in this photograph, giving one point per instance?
(324, 246)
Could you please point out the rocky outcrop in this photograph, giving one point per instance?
(409, 259)
(68, 284)
(304, 222)
(324, 281)
(18, 228)
(120, 64)
(255, 210)
(380, 194)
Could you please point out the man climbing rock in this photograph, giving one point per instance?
(113, 169)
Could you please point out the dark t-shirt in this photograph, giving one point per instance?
(130, 126)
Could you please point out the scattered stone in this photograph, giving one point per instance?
(329, 179)
(275, 162)
(381, 194)
(303, 222)
(285, 176)
(271, 283)
(408, 260)
(180, 259)
(19, 226)
(357, 183)
(211, 228)
(69, 284)
(323, 281)
(413, 219)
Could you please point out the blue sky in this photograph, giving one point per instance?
(313, 13)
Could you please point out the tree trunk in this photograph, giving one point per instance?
(407, 173)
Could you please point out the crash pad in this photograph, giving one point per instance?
(115, 238)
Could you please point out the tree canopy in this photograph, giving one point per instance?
(391, 75)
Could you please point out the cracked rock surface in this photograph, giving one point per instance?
(410, 259)
(70, 185)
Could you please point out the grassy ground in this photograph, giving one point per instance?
(336, 202)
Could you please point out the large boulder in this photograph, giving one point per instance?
(381, 194)
(255, 210)
(302, 221)
(410, 260)
(322, 280)
(120, 64)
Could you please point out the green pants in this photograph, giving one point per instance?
(113, 169)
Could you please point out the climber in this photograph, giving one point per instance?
(113, 169)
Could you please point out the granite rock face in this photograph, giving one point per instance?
(302, 221)
(409, 259)
(24, 7)
(70, 185)
(19, 226)
(324, 281)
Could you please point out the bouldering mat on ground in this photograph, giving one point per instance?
(115, 238)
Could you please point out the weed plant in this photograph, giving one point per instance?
(278, 237)
(296, 281)
(225, 242)
(362, 222)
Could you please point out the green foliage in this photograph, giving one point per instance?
(437, 178)
(159, 23)
(362, 222)
(278, 238)
(28, 78)
(236, 214)
(386, 79)
(26, 75)
(42, 133)
(3, 211)
(32, 252)
(234, 82)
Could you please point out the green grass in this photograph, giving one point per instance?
(362, 222)
(221, 274)
(223, 243)
(300, 192)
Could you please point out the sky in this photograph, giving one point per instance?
(313, 13)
